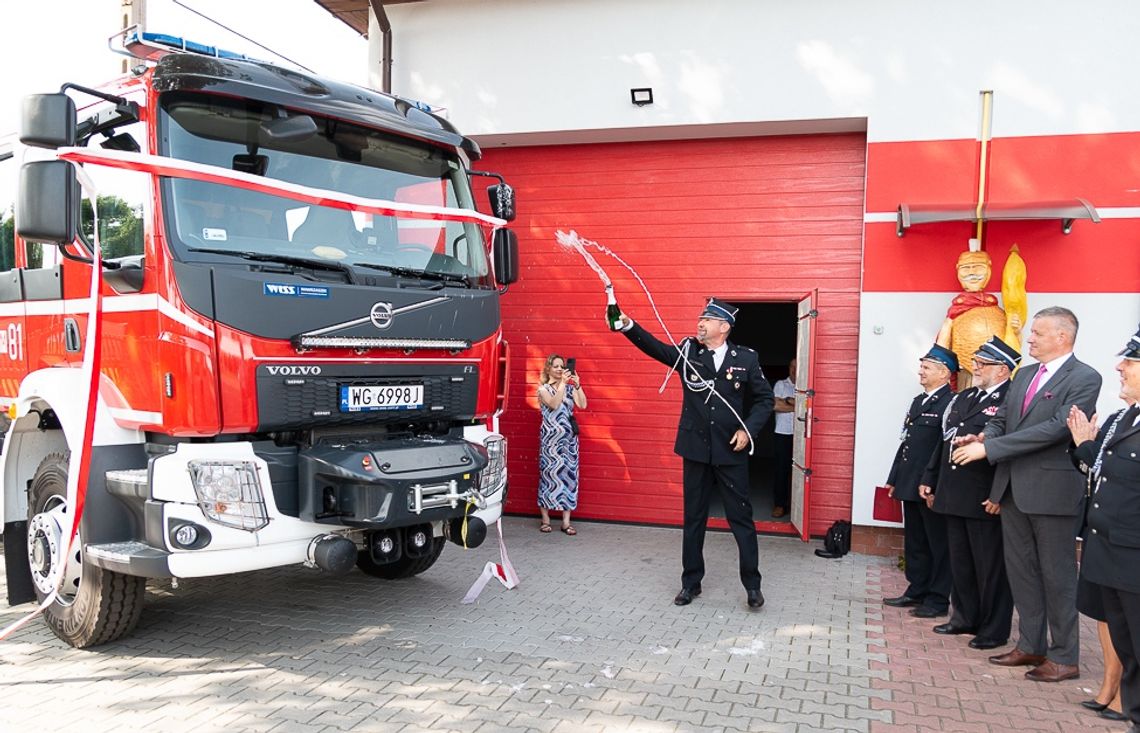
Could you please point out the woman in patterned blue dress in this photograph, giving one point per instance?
(558, 394)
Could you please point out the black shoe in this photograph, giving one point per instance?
(949, 628)
(686, 596)
(1093, 705)
(1110, 714)
(979, 643)
(755, 598)
(901, 601)
(928, 612)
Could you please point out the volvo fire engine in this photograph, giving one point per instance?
(300, 353)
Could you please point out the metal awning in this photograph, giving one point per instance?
(1065, 211)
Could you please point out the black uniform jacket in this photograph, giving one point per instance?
(1111, 554)
(960, 490)
(706, 425)
(922, 434)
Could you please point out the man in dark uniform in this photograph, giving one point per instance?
(983, 604)
(726, 402)
(1111, 552)
(924, 532)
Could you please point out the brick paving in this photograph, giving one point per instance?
(589, 642)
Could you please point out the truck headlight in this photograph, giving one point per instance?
(494, 475)
(229, 493)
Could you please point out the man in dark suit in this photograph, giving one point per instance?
(1040, 492)
(983, 605)
(726, 402)
(924, 532)
(1112, 543)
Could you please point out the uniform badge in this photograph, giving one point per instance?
(728, 375)
(737, 385)
(990, 411)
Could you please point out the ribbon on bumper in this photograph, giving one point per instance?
(502, 571)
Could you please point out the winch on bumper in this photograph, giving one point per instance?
(373, 484)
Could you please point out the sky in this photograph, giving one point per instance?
(50, 42)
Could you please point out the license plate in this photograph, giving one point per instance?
(356, 398)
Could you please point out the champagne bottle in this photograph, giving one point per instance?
(613, 313)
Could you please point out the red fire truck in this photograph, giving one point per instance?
(301, 353)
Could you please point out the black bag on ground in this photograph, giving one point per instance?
(837, 541)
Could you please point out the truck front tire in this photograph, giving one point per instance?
(95, 606)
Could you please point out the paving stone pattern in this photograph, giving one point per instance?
(590, 641)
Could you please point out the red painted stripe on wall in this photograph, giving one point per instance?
(1094, 258)
(1105, 169)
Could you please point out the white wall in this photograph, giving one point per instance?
(891, 358)
(912, 68)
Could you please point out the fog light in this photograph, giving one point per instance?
(419, 539)
(384, 546)
(229, 493)
(186, 535)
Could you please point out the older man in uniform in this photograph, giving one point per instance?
(924, 532)
(726, 401)
(983, 604)
(1040, 495)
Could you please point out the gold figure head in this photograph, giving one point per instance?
(974, 270)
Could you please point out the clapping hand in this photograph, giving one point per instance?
(1083, 429)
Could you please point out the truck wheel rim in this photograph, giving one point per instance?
(45, 536)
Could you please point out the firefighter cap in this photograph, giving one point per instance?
(1132, 349)
(943, 356)
(997, 350)
(719, 310)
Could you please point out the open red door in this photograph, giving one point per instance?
(805, 393)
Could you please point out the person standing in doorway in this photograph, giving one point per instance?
(785, 394)
(1040, 494)
(725, 403)
(924, 532)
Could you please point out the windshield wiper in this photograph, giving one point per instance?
(443, 277)
(349, 275)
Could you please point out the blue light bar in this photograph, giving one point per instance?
(153, 46)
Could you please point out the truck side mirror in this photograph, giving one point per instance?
(502, 198)
(47, 209)
(505, 254)
(48, 121)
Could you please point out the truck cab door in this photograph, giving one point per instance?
(13, 359)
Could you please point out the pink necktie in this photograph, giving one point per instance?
(1032, 388)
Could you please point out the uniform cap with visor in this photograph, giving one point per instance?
(719, 310)
(1132, 350)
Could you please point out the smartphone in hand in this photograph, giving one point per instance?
(570, 365)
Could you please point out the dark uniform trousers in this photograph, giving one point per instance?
(981, 595)
(924, 531)
(703, 440)
(1111, 554)
(732, 483)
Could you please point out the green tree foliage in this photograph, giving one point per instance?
(120, 226)
(7, 241)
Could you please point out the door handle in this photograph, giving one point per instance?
(71, 340)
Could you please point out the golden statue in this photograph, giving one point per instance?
(975, 315)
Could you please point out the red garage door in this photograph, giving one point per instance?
(763, 219)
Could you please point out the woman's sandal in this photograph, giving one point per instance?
(569, 529)
(545, 528)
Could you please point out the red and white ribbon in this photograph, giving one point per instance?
(502, 571)
(79, 464)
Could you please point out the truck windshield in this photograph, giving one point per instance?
(337, 156)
